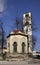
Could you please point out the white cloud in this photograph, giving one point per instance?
(2, 5)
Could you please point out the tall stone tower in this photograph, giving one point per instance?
(27, 28)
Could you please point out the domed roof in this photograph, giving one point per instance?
(17, 32)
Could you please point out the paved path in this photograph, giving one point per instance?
(17, 63)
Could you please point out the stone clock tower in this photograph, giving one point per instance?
(27, 28)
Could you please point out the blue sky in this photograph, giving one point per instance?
(9, 9)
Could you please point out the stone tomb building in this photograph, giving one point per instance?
(17, 45)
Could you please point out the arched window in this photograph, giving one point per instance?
(23, 47)
(15, 47)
